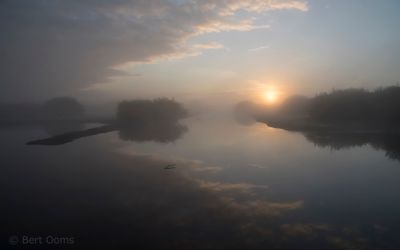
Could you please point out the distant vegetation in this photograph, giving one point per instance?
(150, 120)
(382, 105)
(150, 112)
(339, 119)
(136, 120)
(64, 108)
(350, 106)
(59, 108)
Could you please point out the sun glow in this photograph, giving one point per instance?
(271, 96)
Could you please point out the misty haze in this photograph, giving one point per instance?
(200, 124)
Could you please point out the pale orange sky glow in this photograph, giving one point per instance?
(271, 96)
(190, 49)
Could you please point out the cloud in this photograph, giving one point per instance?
(194, 50)
(229, 7)
(255, 165)
(219, 26)
(267, 208)
(259, 48)
(190, 165)
(244, 188)
(305, 230)
(211, 45)
(57, 47)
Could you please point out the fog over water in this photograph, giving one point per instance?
(232, 186)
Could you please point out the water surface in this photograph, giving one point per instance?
(230, 187)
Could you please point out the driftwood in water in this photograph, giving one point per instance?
(71, 136)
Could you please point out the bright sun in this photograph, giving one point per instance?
(270, 96)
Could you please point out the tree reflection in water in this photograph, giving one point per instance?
(388, 142)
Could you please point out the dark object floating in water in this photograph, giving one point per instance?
(170, 166)
(71, 136)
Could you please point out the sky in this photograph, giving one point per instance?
(100, 50)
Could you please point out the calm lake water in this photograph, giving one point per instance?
(219, 185)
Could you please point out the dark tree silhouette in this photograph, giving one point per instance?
(150, 120)
(295, 106)
(381, 106)
(342, 118)
(149, 112)
(356, 108)
(62, 108)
